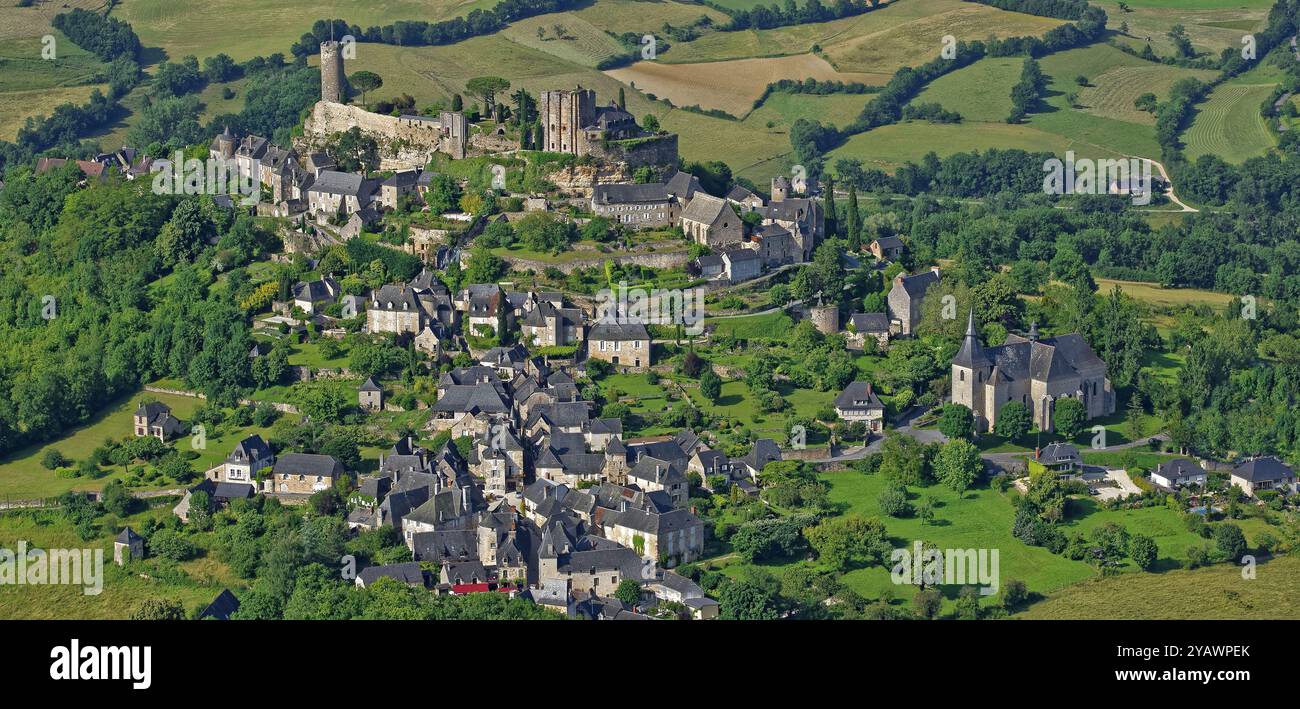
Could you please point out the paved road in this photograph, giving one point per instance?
(1183, 207)
(1011, 460)
(903, 424)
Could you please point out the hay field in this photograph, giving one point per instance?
(1229, 123)
(582, 42)
(31, 23)
(918, 39)
(248, 28)
(731, 86)
(32, 86)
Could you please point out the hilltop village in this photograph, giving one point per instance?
(513, 354)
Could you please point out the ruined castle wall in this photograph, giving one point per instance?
(403, 143)
(656, 151)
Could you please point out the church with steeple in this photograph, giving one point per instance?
(1032, 370)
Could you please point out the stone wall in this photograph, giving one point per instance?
(652, 151)
(650, 259)
(403, 143)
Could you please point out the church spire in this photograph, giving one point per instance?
(971, 353)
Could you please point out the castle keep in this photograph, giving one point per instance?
(572, 123)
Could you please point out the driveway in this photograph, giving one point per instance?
(1126, 486)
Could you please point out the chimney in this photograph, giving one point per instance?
(464, 498)
(622, 507)
(659, 473)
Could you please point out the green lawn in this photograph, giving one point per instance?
(772, 326)
(979, 92)
(21, 474)
(979, 520)
(982, 519)
(194, 583)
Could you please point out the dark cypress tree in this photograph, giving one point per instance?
(832, 219)
(853, 220)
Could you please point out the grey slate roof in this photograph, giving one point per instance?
(1055, 453)
(221, 607)
(339, 183)
(706, 209)
(1264, 470)
(395, 298)
(308, 464)
(446, 545)
(408, 573)
(870, 322)
(657, 470)
(250, 449)
(630, 194)
(1179, 468)
(473, 399)
(916, 285)
(683, 185)
(603, 331)
(858, 396)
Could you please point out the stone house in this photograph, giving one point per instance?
(154, 418)
(313, 295)
(624, 345)
(712, 222)
(370, 397)
(334, 192)
(653, 474)
(485, 308)
(549, 326)
(776, 246)
(127, 546)
(305, 473)
(744, 199)
(887, 248)
(399, 185)
(640, 206)
(803, 218)
(904, 300)
(675, 535)
(395, 309)
(242, 465)
(867, 325)
(858, 402)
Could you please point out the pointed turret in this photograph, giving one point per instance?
(971, 354)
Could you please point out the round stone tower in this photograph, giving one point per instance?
(826, 318)
(331, 72)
